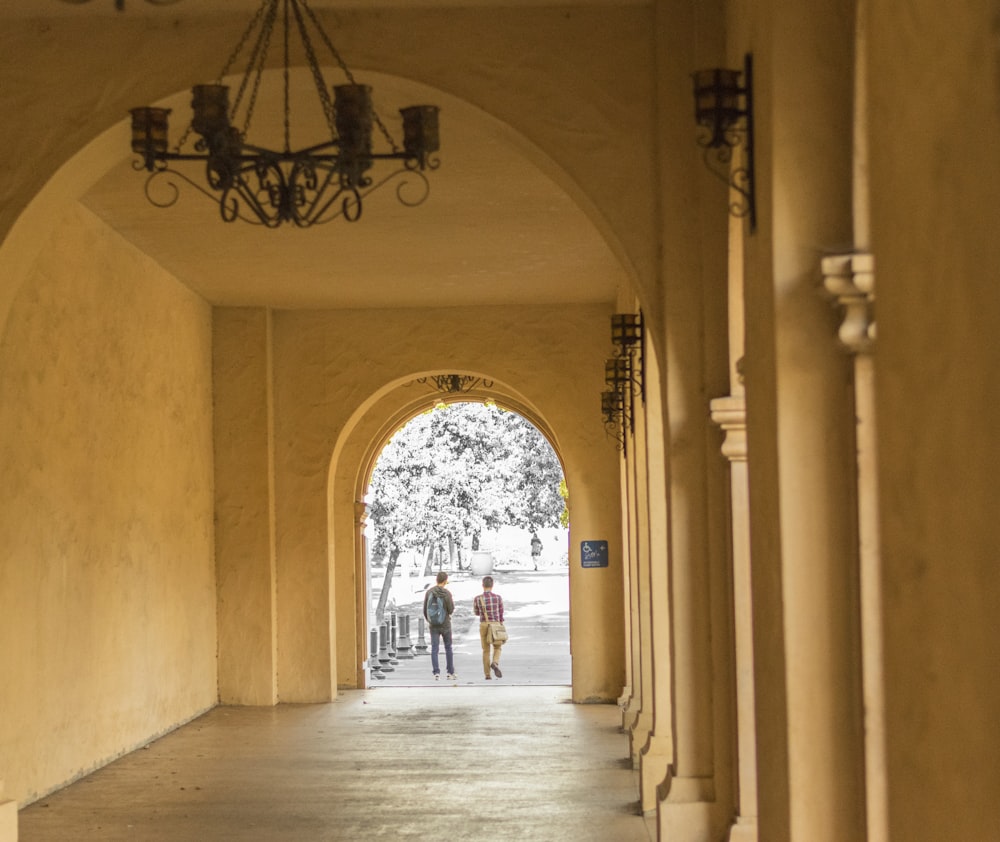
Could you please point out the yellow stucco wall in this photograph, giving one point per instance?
(934, 191)
(338, 379)
(107, 585)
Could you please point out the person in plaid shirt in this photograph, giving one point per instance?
(489, 608)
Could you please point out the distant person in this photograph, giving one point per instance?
(536, 548)
(489, 608)
(438, 608)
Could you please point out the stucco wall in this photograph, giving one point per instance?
(337, 381)
(934, 187)
(107, 586)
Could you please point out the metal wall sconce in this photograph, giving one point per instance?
(623, 375)
(724, 125)
(627, 336)
(613, 411)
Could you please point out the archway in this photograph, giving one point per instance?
(595, 600)
(467, 489)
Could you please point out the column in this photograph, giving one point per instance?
(8, 818)
(657, 755)
(631, 698)
(850, 279)
(641, 723)
(244, 505)
(801, 435)
(730, 414)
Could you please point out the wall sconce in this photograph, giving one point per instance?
(627, 337)
(623, 376)
(724, 126)
(613, 410)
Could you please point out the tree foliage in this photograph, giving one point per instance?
(458, 470)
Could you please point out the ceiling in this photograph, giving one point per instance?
(494, 229)
(54, 8)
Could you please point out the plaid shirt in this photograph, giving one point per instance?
(494, 607)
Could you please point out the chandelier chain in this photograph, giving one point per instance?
(286, 76)
(255, 65)
(321, 87)
(347, 72)
(254, 23)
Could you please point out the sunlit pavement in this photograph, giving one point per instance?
(536, 612)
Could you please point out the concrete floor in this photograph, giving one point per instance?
(536, 607)
(493, 762)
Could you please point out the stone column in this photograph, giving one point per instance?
(8, 818)
(850, 279)
(730, 414)
(364, 592)
(244, 506)
(631, 698)
(800, 435)
(641, 723)
(657, 754)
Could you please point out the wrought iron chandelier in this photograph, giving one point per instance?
(304, 186)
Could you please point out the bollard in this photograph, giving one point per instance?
(404, 648)
(383, 651)
(421, 646)
(376, 669)
(393, 637)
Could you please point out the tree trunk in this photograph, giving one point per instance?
(383, 597)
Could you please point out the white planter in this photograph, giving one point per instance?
(481, 563)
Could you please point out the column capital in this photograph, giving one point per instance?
(360, 513)
(730, 413)
(850, 279)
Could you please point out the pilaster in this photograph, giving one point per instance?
(642, 724)
(729, 413)
(850, 280)
(8, 818)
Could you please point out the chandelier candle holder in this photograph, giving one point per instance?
(301, 186)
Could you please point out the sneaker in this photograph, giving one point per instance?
(489, 678)
(437, 677)
(452, 676)
(496, 669)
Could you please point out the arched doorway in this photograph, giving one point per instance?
(467, 488)
(590, 465)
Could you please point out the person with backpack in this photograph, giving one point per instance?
(438, 608)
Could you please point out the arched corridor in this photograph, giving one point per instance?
(463, 764)
(783, 549)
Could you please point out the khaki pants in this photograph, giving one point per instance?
(484, 638)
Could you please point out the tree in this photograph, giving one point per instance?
(456, 471)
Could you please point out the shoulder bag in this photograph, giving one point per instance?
(498, 631)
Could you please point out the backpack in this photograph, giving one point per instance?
(437, 611)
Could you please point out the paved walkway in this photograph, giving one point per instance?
(536, 613)
(491, 762)
(409, 758)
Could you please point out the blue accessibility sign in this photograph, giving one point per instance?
(594, 553)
